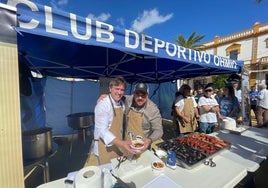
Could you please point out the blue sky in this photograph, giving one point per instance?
(167, 19)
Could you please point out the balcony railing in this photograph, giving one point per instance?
(263, 60)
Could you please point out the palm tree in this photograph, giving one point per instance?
(191, 42)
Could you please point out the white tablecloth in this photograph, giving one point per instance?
(249, 149)
(227, 173)
(247, 152)
(260, 135)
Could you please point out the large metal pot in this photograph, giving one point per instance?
(80, 120)
(37, 143)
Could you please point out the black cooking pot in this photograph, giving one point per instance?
(37, 143)
(80, 120)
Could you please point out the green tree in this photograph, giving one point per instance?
(219, 81)
(192, 42)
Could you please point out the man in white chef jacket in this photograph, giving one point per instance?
(108, 132)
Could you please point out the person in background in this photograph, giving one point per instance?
(214, 95)
(211, 84)
(219, 94)
(195, 95)
(186, 111)
(174, 114)
(228, 103)
(200, 93)
(208, 109)
(262, 106)
(253, 99)
(237, 92)
(108, 137)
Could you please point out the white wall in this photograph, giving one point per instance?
(262, 50)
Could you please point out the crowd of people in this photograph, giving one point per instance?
(204, 108)
(117, 115)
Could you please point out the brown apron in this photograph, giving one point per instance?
(134, 123)
(188, 111)
(108, 153)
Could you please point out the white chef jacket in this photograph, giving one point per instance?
(103, 121)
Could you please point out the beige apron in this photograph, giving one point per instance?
(134, 123)
(108, 153)
(188, 111)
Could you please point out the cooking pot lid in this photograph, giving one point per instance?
(36, 131)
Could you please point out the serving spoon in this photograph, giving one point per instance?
(131, 136)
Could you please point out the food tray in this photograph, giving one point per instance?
(181, 155)
(190, 150)
(238, 130)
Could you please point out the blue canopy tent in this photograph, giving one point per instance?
(61, 44)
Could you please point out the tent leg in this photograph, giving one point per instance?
(84, 135)
(71, 145)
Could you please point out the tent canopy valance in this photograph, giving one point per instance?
(61, 44)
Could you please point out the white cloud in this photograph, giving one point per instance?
(121, 22)
(58, 4)
(62, 2)
(148, 19)
(102, 17)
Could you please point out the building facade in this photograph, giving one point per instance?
(250, 46)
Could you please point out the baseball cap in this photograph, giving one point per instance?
(141, 87)
(209, 89)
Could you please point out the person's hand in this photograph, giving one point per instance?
(221, 117)
(213, 108)
(239, 120)
(147, 143)
(124, 145)
(101, 97)
(186, 119)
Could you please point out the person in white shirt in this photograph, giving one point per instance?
(108, 132)
(237, 91)
(262, 106)
(208, 109)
